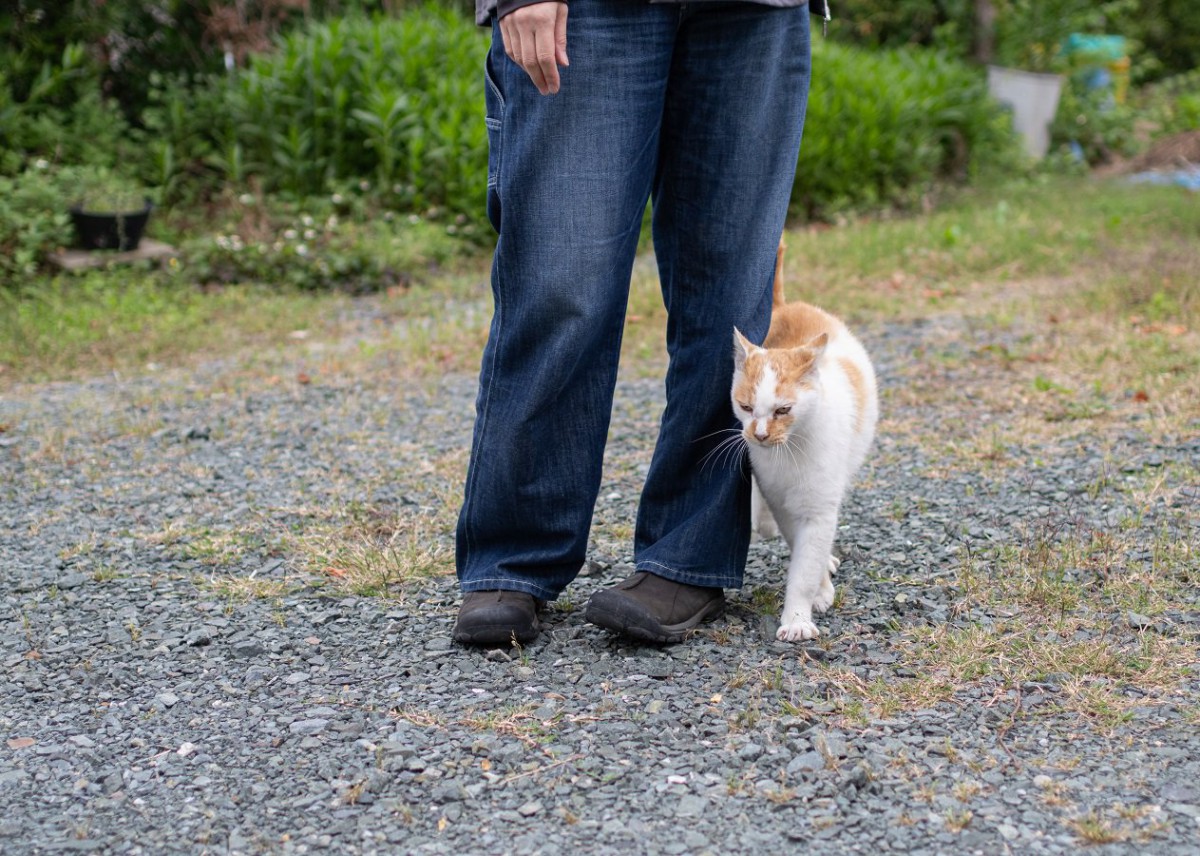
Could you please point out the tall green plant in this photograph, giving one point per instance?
(885, 125)
(396, 99)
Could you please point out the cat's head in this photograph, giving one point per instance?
(773, 388)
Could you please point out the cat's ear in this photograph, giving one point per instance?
(741, 349)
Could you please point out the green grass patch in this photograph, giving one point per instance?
(1075, 228)
(122, 320)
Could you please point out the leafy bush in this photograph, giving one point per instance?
(58, 114)
(33, 220)
(1173, 104)
(1092, 125)
(337, 242)
(1164, 35)
(884, 125)
(398, 100)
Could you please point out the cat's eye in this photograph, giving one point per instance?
(746, 407)
(783, 411)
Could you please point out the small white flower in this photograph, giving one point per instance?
(309, 234)
(306, 219)
(331, 223)
(42, 163)
(336, 199)
(364, 186)
(389, 216)
(301, 250)
(290, 235)
(246, 199)
(414, 219)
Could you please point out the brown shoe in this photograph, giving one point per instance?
(654, 609)
(497, 618)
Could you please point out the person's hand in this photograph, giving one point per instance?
(535, 38)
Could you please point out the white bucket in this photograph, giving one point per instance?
(1034, 101)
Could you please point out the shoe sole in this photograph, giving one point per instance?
(495, 635)
(634, 623)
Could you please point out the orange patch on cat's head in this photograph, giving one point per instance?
(794, 366)
(749, 363)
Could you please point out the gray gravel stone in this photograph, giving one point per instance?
(168, 712)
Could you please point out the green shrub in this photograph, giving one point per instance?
(58, 114)
(1092, 125)
(1173, 105)
(884, 125)
(336, 242)
(33, 221)
(396, 100)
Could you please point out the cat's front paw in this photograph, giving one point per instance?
(797, 631)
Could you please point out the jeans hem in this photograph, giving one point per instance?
(678, 576)
(509, 584)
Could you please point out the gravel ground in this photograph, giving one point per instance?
(147, 707)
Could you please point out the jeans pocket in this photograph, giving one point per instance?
(494, 120)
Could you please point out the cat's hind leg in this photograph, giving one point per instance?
(762, 522)
(824, 598)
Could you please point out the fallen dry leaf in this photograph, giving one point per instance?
(21, 742)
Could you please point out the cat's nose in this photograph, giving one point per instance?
(760, 431)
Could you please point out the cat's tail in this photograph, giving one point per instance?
(777, 294)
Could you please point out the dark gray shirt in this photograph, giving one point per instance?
(484, 9)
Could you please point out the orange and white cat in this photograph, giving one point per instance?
(808, 405)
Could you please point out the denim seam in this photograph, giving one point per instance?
(680, 577)
(508, 584)
(494, 125)
(497, 324)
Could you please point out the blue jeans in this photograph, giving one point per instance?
(699, 108)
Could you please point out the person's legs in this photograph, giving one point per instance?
(569, 176)
(731, 134)
(730, 138)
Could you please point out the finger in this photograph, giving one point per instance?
(544, 55)
(560, 36)
(511, 37)
(528, 60)
(533, 67)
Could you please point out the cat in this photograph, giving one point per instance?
(808, 404)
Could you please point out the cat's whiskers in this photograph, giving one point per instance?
(799, 451)
(731, 448)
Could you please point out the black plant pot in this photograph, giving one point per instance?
(110, 231)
